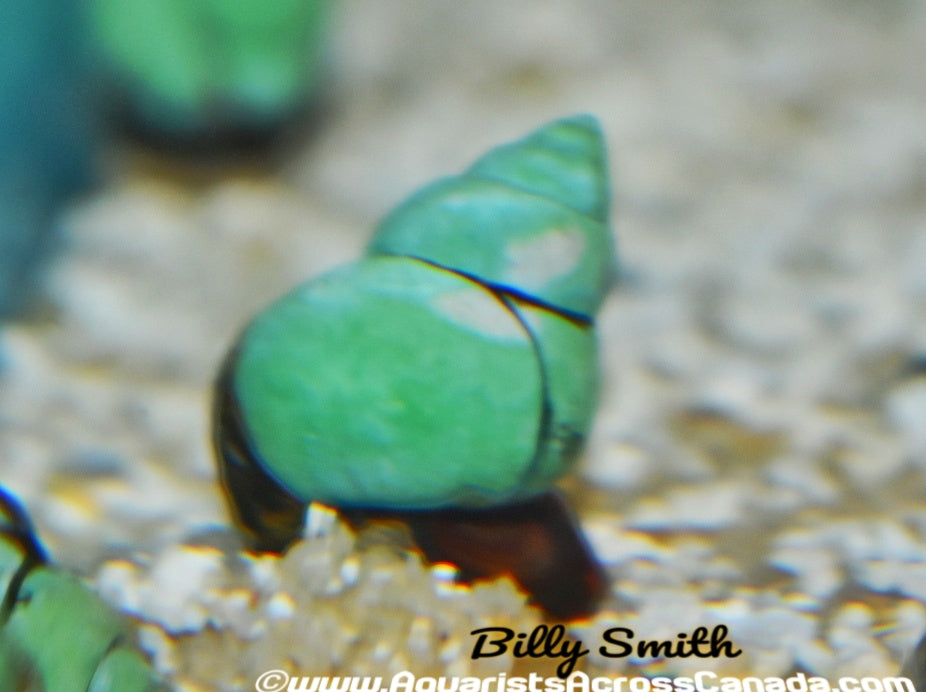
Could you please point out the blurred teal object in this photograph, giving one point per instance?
(46, 146)
(203, 71)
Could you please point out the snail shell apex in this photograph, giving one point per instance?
(530, 216)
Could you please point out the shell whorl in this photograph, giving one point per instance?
(465, 335)
(530, 217)
(564, 161)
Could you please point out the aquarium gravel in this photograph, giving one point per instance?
(759, 457)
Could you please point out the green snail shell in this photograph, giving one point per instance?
(194, 70)
(530, 217)
(455, 364)
(53, 629)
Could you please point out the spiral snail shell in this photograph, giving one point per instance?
(452, 368)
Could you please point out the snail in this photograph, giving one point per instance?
(206, 74)
(446, 378)
(55, 634)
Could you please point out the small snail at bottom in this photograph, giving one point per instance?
(56, 634)
(447, 378)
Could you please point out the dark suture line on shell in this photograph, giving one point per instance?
(510, 298)
(580, 319)
(546, 405)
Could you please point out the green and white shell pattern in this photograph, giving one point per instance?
(455, 364)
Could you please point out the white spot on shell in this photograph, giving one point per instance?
(535, 262)
(477, 310)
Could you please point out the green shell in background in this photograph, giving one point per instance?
(454, 366)
(55, 634)
(191, 69)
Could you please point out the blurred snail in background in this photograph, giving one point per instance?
(56, 634)
(447, 378)
(209, 73)
(47, 141)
